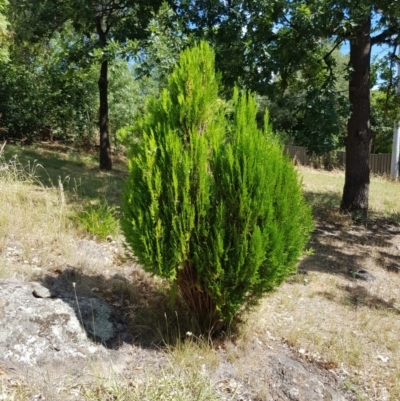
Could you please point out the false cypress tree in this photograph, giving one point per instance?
(211, 203)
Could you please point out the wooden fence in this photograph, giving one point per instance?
(379, 164)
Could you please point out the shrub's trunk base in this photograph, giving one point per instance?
(200, 304)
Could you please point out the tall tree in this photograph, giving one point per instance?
(106, 26)
(358, 141)
(366, 23)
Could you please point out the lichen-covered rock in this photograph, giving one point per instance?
(277, 374)
(36, 328)
(296, 383)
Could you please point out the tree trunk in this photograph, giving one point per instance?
(356, 187)
(105, 148)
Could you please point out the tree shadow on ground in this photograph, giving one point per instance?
(324, 204)
(341, 247)
(119, 309)
(359, 296)
(389, 261)
(78, 173)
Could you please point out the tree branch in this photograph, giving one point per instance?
(339, 42)
(385, 36)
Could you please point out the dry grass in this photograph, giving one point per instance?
(34, 227)
(169, 386)
(172, 382)
(178, 380)
(38, 231)
(324, 191)
(326, 315)
(339, 323)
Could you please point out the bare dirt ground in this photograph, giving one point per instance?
(340, 329)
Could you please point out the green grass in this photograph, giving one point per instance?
(98, 219)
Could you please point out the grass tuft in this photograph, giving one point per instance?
(98, 219)
(171, 384)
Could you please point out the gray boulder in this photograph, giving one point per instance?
(296, 383)
(37, 329)
(276, 375)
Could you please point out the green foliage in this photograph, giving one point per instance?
(312, 110)
(385, 103)
(58, 88)
(106, 29)
(383, 115)
(152, 66)
(124, 96)
(5, 35)
(211, 203)
(321, 119)
(45, 87)
(98, 219)
(160, 50)
(124, 134)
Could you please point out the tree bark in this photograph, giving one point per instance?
(356, 187)
(105, 148)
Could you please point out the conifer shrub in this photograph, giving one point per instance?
(211, 203)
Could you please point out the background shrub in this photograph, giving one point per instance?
(211, 203)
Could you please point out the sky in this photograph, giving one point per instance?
(377, 50)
